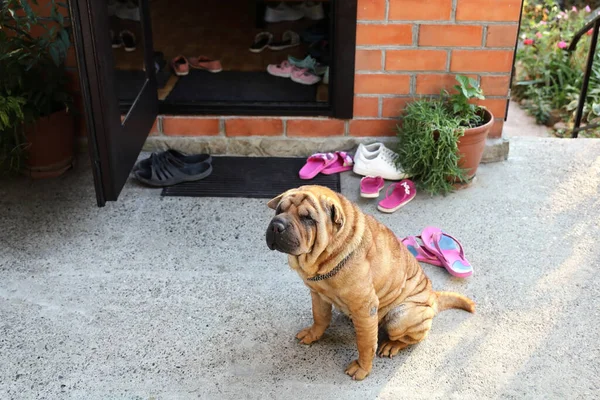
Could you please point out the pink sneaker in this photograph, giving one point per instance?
(370, 186)
(304, 77)
(283, 70)
(202, 62)
(180, 66)
(402, 192)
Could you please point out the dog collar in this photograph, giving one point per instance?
(332, 272)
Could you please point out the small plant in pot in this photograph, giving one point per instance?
(36, 127)
(442, 139)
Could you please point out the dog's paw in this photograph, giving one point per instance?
(357, 372)
(309, 335)
(390, 348)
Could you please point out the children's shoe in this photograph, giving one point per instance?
(304, 77)
(205, 63)
(283, 70)
(261, 42)
(309, 63)
(282, 13)
(115, 40)
(370, 186)
(316, 163)
(377, 160)
(343, 163)
(128, 40)
(128, 11)
(401, 193)
(311, 10)
(180, 66)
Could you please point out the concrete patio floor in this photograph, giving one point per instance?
(180, 298)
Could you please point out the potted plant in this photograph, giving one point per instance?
(37, 128)
(442, 139)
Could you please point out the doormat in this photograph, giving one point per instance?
(237, 86)
(252, 177)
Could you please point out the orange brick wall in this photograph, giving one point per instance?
(405, 49)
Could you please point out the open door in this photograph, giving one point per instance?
(107, 66)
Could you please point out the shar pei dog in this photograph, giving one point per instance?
(353, 262)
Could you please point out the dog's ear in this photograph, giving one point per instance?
(274, 202)
(335, 211)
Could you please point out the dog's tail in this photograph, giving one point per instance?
(447, 300)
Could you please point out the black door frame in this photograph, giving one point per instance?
(114, 145)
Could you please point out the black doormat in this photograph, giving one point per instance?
(252, 177)
(236, 86)
(128, 83)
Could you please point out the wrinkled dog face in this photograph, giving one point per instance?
(293, 230)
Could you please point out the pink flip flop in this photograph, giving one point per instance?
(420, 252)
(344, 162)
(370, 186)
(448, 250)
(402, 192)
(317, 163)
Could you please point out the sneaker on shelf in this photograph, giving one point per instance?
(206, 63)
(311, 10)
(282, 70)
(180, 66)
(128, 11)
(282, 13)
(309, 63)
(377, 160)
(304, 77)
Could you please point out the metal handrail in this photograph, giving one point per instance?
(593, 23)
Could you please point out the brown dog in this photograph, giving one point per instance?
(354, 262)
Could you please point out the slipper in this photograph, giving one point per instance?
(184, 158)
(402, 192)
(261, 42)
(168, 171)
(370, 186)
(448, 250)
(288, 39)
(344, 162)
(420, 252)
(206, 63)
(316, 163)
(180, 66)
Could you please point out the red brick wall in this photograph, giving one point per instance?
(405, 48)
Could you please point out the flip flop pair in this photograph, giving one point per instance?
(397, 195)
(440, 249)
(327, 164)
(172, 167)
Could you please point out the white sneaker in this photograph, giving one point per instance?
(311, 10)
(282, 13)
(128, 11)
(377, 160)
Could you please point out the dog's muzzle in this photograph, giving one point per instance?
(277, 233)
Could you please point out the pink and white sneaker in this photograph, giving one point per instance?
(370, 186)
(402, 192)
(304, 77)
(283, 70)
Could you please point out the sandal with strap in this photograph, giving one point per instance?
(183, 157)
(448, 250)
(420, 252)
(168, 171)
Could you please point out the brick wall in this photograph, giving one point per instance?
(405, 48)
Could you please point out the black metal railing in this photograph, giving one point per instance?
(593, 23)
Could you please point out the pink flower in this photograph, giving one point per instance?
(562, 44)
(588, 9)
(543, 23)
(559, 16)
(574, 9)
(590, 32)
(528, 42)
(538, 35)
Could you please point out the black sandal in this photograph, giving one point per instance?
(166, 170)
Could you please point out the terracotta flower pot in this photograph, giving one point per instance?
(51, 146)
(472, 144)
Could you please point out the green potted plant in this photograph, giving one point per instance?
(37, 128)
(442, 139)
